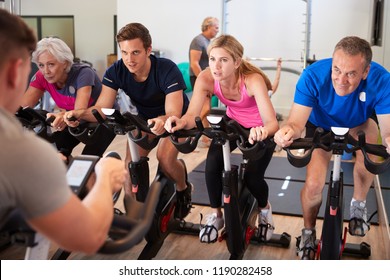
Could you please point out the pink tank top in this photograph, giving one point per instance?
(244, 111)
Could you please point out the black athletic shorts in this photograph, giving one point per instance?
(310, 127)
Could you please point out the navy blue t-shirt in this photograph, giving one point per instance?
(148, 96)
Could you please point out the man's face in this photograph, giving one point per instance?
(347, 72)
(214, 30)
(134, 55)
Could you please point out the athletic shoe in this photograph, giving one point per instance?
(358, 224)
(183, 202)
(209, 232)
(266, 224)
(307, 248)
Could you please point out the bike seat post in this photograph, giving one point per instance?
(135, 157)
(340, 138)
(336, 168)
(226, 156)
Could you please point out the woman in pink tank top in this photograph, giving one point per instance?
(243, 88)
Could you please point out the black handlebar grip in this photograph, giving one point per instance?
(97, 116)
(72, 119)
(50, 119)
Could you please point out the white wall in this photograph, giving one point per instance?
(266, 28)
(172, 23)
(94, 25)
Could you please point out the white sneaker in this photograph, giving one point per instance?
(209, 232)
(358, 224)
(266, 224)
(306, 249)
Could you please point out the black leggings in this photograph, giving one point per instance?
(66, 142)
(254, 176)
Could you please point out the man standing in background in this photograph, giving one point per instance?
(199, 60)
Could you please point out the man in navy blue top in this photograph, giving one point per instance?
(156, 88)
(347, 90)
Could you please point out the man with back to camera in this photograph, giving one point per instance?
(155, 86)
(32, 176)
(347, 90)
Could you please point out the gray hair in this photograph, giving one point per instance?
(209, 21)
(354, 45)
(56, 47)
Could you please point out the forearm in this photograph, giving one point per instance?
(99, 205)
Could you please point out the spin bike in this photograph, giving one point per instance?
(125, 232)
(240, 207)
(332, 244)
(36, 121)
(138, 133)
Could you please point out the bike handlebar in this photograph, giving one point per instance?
(338, 144)
(36, 120)
(221, 132)
(132, 125)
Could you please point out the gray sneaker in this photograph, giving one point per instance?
(358, 224)
(307, 247)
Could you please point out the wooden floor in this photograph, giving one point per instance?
(187, 247)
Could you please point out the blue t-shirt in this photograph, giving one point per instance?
(148, 96)
(315, 89)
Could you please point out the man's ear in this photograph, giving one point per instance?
(14, 72)
(149, 50)
(365, 73)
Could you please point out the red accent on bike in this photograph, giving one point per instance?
(248, 234)
(222, 237)
(165, 220)
(226, 198)
(344, 241)
(134, 188)
(333, 211)
(319, 249)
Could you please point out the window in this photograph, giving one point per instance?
(59, 26)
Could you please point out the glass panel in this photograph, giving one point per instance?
(62, 27)
(32, 22)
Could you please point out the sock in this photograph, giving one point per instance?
(264, 212)
(361, 202)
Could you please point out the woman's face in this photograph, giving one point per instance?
(51, 68)
(222, 64)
